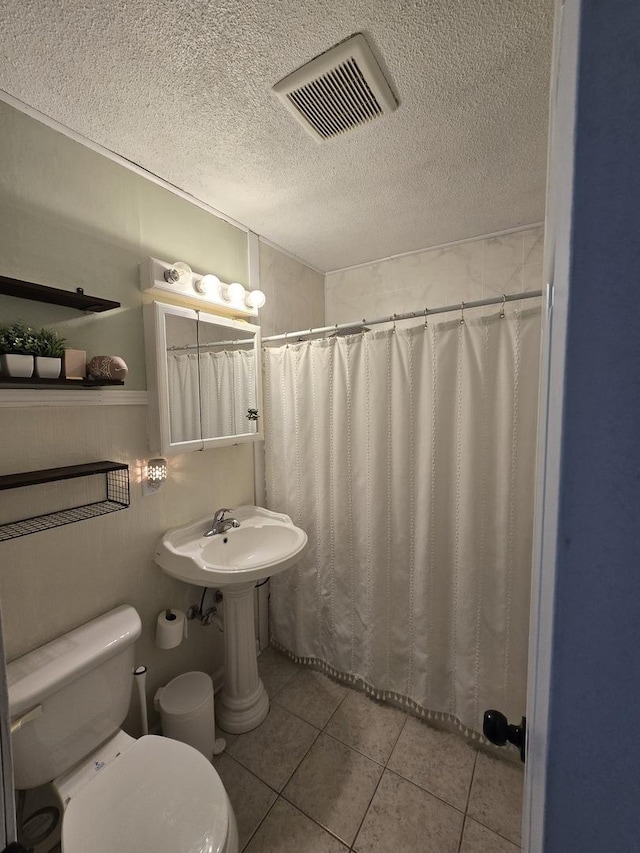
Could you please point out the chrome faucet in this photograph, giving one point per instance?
(220, 524)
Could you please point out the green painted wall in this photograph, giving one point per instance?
(70, 217)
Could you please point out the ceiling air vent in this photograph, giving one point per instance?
(338, 90)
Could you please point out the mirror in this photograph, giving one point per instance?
(204, 379)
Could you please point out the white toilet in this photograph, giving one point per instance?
(67, 701)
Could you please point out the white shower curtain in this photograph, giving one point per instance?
(228, 390)
(408, 458)
(184, 406)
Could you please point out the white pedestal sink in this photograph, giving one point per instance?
(264, 544)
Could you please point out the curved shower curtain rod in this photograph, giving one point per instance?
(410, 315)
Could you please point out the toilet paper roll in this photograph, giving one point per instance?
(170, 629)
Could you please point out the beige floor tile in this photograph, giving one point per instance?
(478, 839)
(312, 696)
(275, 670)
(368, 726)
(275, 748)
(286, 830)
(438, 761)
(334, 785)
(251, 799)
(405, 819)
(496, 796)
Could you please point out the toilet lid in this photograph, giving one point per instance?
(159, 796)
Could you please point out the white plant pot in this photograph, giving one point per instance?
(17, 365)
(48, 368)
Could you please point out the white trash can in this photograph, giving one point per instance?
(186, 712)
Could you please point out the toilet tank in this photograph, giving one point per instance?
(71, 695)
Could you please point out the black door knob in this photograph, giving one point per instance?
(498, 730)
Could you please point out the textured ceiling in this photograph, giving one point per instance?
(182, 87)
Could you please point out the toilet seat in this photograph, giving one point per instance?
(159, 796)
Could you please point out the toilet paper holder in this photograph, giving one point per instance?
(170, 616)
(171, 628)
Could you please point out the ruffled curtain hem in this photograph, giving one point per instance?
(441, 718)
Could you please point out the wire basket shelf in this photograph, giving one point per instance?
(117, 496)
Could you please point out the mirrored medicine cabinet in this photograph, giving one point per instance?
(204, 379)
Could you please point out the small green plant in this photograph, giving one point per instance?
(18, 338)
(49, 344)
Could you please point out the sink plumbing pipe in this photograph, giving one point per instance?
(140, 673)
(211, 615)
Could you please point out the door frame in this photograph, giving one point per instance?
(557, 257)
(7, 805)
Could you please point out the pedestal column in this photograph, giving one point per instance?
(243, 702)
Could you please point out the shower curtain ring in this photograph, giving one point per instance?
(394, 323)
(462, 313)
(426, 322)
(286, 340)
(504, 299)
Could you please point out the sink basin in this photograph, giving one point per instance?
(265, 543)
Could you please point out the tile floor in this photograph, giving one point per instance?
(331, 770)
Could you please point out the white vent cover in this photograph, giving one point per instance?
(338, 90)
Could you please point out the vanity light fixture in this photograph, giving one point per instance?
(199, 290)
(156, 474)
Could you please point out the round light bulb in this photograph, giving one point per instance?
(236, 292)
(255, 299)
(207, 284)
(233, 292)
(179, 273)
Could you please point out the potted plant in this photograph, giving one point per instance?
(49, 349)
(17, 348)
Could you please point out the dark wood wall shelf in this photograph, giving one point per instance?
(117, 495)
(36, 382)
(77, 299)
(50, 475)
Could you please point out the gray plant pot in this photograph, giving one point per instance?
(17, 365)
(48, 368)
